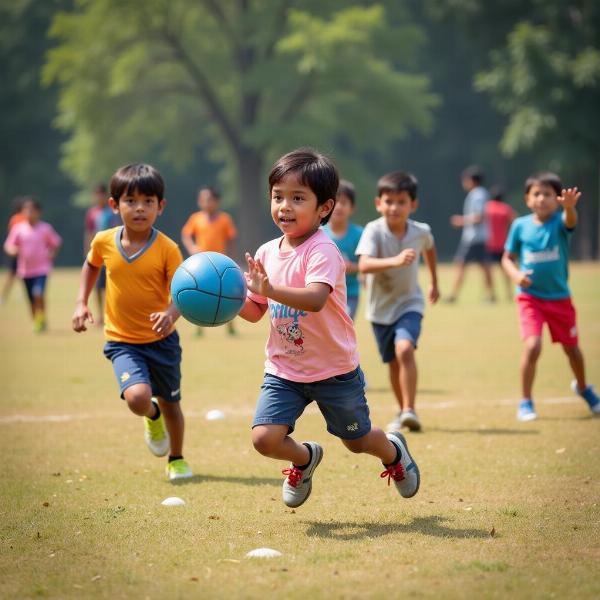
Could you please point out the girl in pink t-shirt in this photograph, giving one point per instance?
(35, 244)
(311, 351)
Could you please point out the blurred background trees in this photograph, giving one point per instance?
(212, 92)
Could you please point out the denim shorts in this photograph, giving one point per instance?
(157, 363)
(35, 286)
(407, 327)
(341, 400)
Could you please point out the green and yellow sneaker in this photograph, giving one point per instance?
(178, 469)
(156, 435)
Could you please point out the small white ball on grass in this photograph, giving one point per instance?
(215, 415)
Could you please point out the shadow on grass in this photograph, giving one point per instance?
(485, 431)
(432, 526)
(252, 481)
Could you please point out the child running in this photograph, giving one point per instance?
(389, 251)
(299, 279)
(536, 258)
(346, 235)
(35, 243)
(142, 342)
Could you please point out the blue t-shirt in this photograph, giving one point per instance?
(347, 247)
(543, 249)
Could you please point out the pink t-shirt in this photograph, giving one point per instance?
(308, 346)
(35, 244)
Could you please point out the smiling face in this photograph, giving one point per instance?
(396, 208)
(541, 200)
(138, 211)
(343, 210)
(295, 210)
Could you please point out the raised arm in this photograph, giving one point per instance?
(372, 264)
(568, 200)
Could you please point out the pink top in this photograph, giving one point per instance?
(308, 346)
(35, 244)
(499, 216)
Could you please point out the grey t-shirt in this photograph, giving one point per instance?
(395, 291)
(475, 233)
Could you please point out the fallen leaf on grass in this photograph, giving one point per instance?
(468, 508)
(492, 532)
(96, 578)
(560, 450)
(214, 517)
(45, 503)
(228, 560)
(194, 579)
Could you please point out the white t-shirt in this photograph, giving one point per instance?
(395, 291)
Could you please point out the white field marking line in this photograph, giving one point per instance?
(232, 412)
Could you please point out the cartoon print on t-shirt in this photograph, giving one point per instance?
(292, 334)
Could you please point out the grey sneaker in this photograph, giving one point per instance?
(409, 419)
(405, 472)
(395, 424)
(298, 483)
(156, 435)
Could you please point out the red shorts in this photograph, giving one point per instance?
(558, 314)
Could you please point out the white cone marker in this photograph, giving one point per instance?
(173, 501)
(215, 415)
(263, 553)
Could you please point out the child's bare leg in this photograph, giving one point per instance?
(375, 443)
(488, 282)
(577, 365)
(139, 400)
(458, 281)
(394, 369)
(175, 424)
(405, 357)
(531, 353)
(509, 285)
(273, 441)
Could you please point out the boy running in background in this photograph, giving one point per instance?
(498, 216)
(35, 243)
(142, 342)
(210, 230)
(389, 251)
(536, 258)
(299, 279)
(346, 236)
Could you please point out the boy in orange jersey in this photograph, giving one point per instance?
(210, 230)
(142, 342)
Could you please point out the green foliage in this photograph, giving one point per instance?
(234, 78)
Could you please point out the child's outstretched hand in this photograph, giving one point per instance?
(80, 316)
(405, 258)
(569, 198)
(257, 279)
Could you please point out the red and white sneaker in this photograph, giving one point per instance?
(405, 472)
(298, 483)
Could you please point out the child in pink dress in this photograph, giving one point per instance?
(35, 244)
(299, 279)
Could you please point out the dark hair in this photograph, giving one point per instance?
(101, 188)
(143, 178)
(544, 178)
(473, 172)
(313, 169)
(17, 203)
(398, 181)
(214, 192)
(30, 199)
(347, 188)
(497, 193)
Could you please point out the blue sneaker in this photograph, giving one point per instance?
(526, 411)
(589, 396)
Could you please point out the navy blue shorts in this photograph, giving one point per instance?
(35, 286)
(341, 400)
(158, 364)
(471, 253)
(407, 327)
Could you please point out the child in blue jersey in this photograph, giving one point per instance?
(346, 236)
(536, 258)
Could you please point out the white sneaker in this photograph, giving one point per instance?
(156, 435)
(298, 483)
(405, 472)
(395, 424)
(409, 419)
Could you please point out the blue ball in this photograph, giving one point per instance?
(208, 289)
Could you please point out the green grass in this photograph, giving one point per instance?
(80, 512)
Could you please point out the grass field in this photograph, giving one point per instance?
(505, 509)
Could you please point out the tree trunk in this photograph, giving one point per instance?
(254, 219)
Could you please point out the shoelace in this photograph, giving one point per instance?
(395, 472)
(294, 475)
